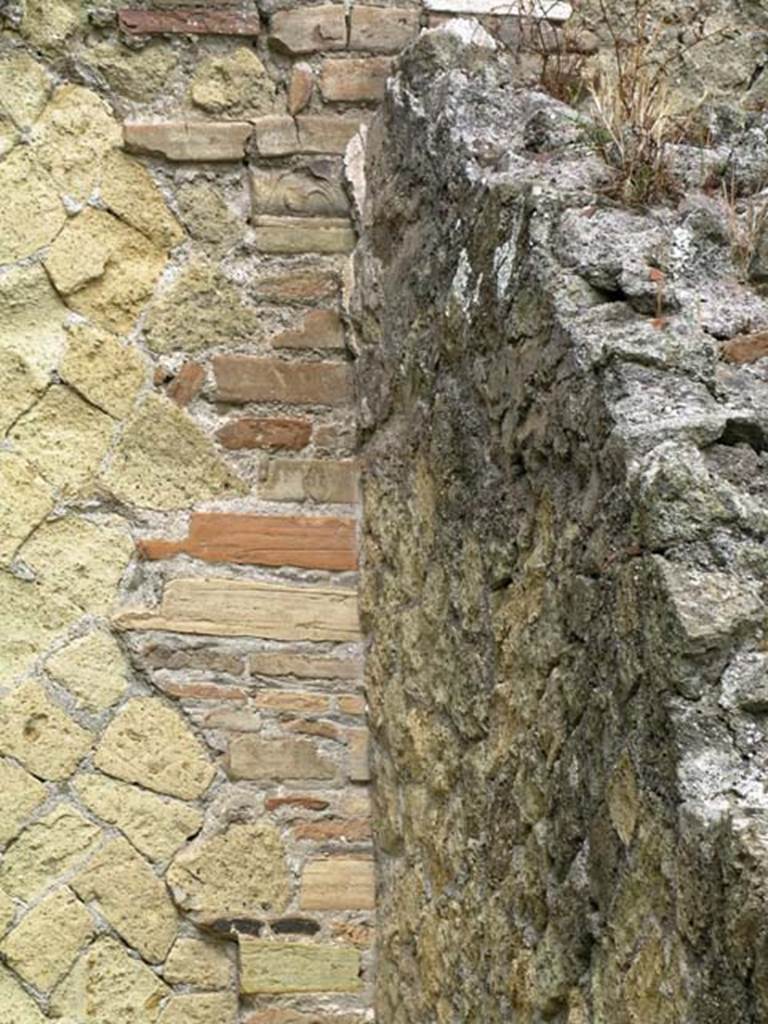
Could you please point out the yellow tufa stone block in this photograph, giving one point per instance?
(20, 794)
(54, 845)
(151, 744)
(274, 968)
(195, 1008)
(45, 943)
(92, 668)
(39, 734)
(25, 500)
(200, 964)
(103, 370)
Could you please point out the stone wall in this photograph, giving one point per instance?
(184, 811)
(563, 570)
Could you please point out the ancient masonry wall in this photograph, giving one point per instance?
(563, 566)
(184, 809)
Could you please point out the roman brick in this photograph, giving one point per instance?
(325, 134)
(290, 700)
(304, 666)
(307, 542)
(186, 384)
(382, 29)
(355, 80)
(189, 22)
(241, 379)
(273, 433)
(297, 287)
(350, 830)
(350, 704)
(308, 803)
(301, 87)
(253, 757)
(311, 191)
(318, 480)
(292, 235)
(551, 10)
(337, 883)
(275, 135)
(309, 29)
(188, 140)
(322, 328)
(358, 756)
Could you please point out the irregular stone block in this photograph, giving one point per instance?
(242, 379)
(355, 80)
(131, 897)
(20, 794)
(32, 213)
(194, 1008)
(24, 88)
(72, 138)
(45, 943)
(318, 480)
(47, 25)
(320, 329)
(315, 191)
(337, 883)
(17, 1006)
(80, 560)
(189, 22)
(309, 29)
(33, 617)
(235, 82)
(92, 668)
(106, 269)
(163, 460)
(220, 607)
(303, 234)
(309, 542)
(25, 500)
(139, 75)
(51, 847)
(157, 826)
(107, 984)
(129, 191)
(278, 967)
(383, 29)
(64, 437)
(199, 964)
(102, 369)
(201, 308)
(39, 734)
(238, 873)
(7, 912)
(745, 348)
(189, 140)
(251, 757)
(149, 743)
(272, 433)
(32, 339)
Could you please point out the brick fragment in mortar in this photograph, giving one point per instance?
(188, 140)
(309, 29)
(358, 80)
(221, 607)
(308, 542)
(193, 22)
(338, 883)
(241, 379)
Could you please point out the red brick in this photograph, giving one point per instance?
(291, 700)
(357, 80)
(356, 934)
(241, 379)
(309, 29)
(301, 87)
(382, 29)
(327, 730)
(203, 691)
(307, 803)
(350, 704)
(318, 542)
(322, 328)
(270, 432)
(187, 383)
(323, 134)
(337, 883)
(189, 22)
(359, 755)
(251, 757)
(353, 830)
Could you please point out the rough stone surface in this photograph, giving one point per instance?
(157, 826)
(105, 372)
(52, 846)
(45, 943)
(33, 617)
(39, 734)
(16, 1007)
(136, 74)
(196, 1008)
(561, 582)
(239, 873)
(108, 985)
(128, 190)
(7, 912)
(163, 460)
(151, 744)
(275, 968)
(237, 83)
(64, 437)
(20, 794)
(31, 341)
(25, 500)
(105, 268)
(25, 85)
(128, 894)
(32, 213)
(200, 964)
(200, 309)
